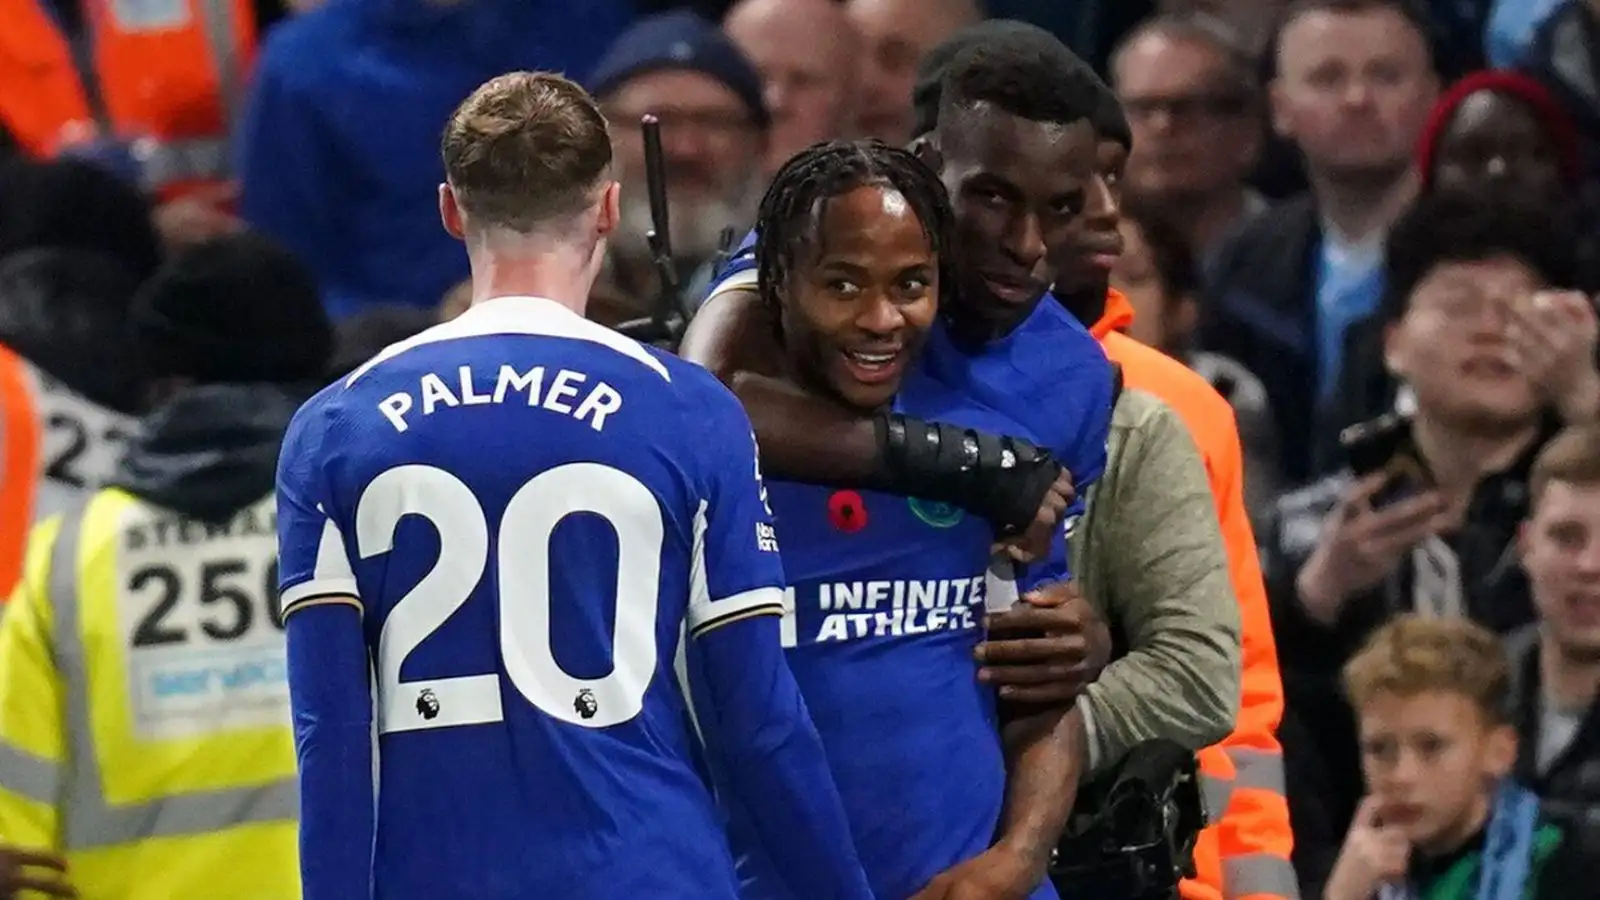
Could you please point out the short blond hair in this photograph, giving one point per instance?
(1414, 655)
(1573, 456)
(527, 150)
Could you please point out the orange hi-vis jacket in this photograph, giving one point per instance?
(165, 76)
(56, 449)
(1244, 853)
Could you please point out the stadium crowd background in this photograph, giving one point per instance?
(1271, 156)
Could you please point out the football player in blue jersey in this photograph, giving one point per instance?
(1017, 182)
(887, 594)
(517, 518)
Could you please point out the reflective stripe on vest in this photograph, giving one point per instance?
(1258, 770)
(1253, 770)
(1259, 875)
(87, 819)
(1217, 793)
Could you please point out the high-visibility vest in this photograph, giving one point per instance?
(1245, 853)
(56, 448)
(144, 723)
(166, 77)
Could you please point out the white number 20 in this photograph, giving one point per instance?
(522, 577)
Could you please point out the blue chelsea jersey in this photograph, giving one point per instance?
(524, 524)
(1048, 379)
(884, 610)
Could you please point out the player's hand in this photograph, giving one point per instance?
(1361, 546)
(32, 870)
(1046, 649)
(999, 873)
(1035, 541)
(1372, 855)
(1554, 335)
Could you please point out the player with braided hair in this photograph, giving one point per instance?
(856, 256)
(788, 212)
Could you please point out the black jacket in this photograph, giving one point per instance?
(1570, 788)
(1319, 732)
(211, 450)
(1260, 310)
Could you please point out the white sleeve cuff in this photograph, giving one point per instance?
(766, 601)
(306, 592)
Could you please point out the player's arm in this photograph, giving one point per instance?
(1047, 648)
(329, 695)
(813, 439)
(747, 702)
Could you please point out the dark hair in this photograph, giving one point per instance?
(928, 94)
(77, 205)
(1450, 226)
(793, 206)
(1414, 12)
(1029, 76)
(1170, 253)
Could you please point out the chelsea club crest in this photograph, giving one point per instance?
(939, 515)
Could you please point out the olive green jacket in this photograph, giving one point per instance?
(1148, 555)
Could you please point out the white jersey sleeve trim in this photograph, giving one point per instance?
(331, 576)
(746, 279)
(318, 591)
(766, 601)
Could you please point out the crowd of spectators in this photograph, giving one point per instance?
(1334, 210)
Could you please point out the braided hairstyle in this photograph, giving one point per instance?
(791, 211)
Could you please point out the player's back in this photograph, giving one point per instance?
(519, 493)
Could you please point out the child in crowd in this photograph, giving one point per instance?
(1441, 820)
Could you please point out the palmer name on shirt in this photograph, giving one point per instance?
(852, 610)
(563, 391)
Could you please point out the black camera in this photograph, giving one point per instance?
(1133, 829)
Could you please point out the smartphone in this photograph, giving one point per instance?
(1385, 444)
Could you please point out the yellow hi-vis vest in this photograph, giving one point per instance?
(144, 724)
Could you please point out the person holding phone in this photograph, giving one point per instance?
(1493, 351)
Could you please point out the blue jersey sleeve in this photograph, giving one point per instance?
(329, 698)
(745, 698)
(739, 573)
(312, 562)
(739, 271)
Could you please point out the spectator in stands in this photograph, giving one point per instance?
(1353, 88)
(1345, 554)
(1501, 131)
(807, 53)
(896, 35)
(1556, 663)
(76, 242)
(339, 147)
(714, 127)
(1191, 94)
(1566, 57)
(1440, 816)
(1158, 275)
(1490, 133)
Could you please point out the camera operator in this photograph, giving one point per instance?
(1490, 349)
